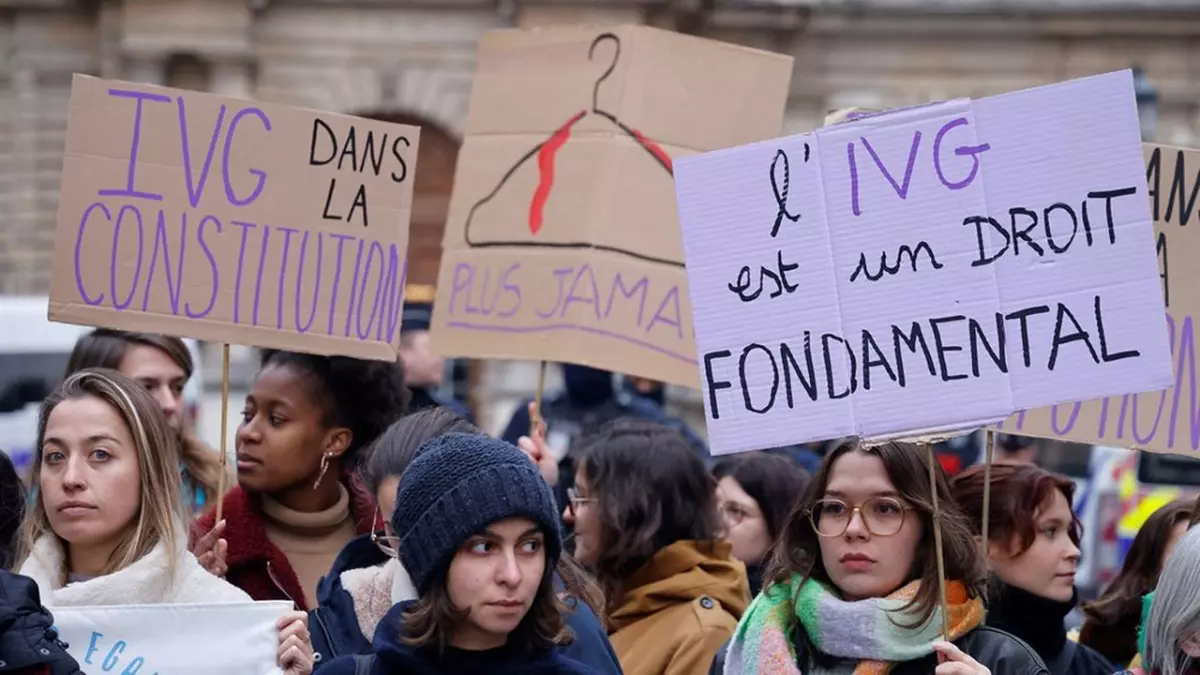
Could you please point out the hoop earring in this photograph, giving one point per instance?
(324, 468)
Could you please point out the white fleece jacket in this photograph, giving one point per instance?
(145, 582)
(375, 590)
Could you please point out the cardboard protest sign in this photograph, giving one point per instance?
(924, 270)
(237, 638)
(563, 242)
(230, 220)
(1158, 421)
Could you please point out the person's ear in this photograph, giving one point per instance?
(337, 441)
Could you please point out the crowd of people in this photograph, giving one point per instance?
(597, 535)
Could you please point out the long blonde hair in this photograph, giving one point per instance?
(106, 348)
(160, 514)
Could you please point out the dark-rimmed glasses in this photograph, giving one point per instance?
(882, 516)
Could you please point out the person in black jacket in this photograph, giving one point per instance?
(12, 510)
(1033, 548)
(854, 581)
(28, 643)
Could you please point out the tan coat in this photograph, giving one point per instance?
(678, 610)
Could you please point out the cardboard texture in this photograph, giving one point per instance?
(229, 220)
(926, 270)
(1158, 421)
(562, 242)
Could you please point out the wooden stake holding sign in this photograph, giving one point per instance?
(224, 430)
(990, 443)
(937, 538)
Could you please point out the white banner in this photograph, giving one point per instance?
(236, 638)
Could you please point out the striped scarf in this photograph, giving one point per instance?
(865, 630)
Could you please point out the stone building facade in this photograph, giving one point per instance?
(413, 60)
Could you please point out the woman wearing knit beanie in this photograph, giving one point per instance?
(479, 536)
(367, 577)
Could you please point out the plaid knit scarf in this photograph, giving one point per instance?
(866, 630)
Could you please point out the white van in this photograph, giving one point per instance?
(33, 356)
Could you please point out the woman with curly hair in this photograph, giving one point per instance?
(297, 502)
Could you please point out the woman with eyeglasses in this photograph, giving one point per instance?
(853, 585)
(644, 511)
(367, 578)
(755, 494)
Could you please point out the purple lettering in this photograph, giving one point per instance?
(337, 279)
(483, 292)
(619, 283)
(901, 189)
(237, 283)
(196, 191)
(79, 247)
(594, 300)
(128, 190)
(1137, 437)
(394, 292)
(672, 297)
(514, 289)
(1060, 429)
(257, 173)
(212, 262)
(174, 284)
(353, 289)
(362, 293)
(562, 277)
(461, 283)
(972, 151)
(850, 159)
(312, 313)
(137, 269)
(287, 244)
(262, 264)
(1186, 355)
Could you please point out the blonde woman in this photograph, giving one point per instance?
(106, 527)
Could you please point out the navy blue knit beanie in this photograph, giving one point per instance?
(457, 486)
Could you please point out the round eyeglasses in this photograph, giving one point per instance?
(882, 516)
(575, 501)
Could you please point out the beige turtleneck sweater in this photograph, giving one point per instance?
(311, 541)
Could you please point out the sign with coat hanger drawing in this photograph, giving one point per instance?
(562, 241)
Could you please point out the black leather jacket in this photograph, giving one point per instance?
(27, 641)
(998, 651)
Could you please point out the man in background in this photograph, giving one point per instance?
(423, 369)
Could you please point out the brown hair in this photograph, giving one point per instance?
(106, 348)
(1122, 598)
(798, 549)
(432, 618)
(161, 510)
(394, 449)
(1019, 492)
(651, 490)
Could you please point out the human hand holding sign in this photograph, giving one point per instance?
(534, 446)
(954, 661)
(295, 655)
(210, 550)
